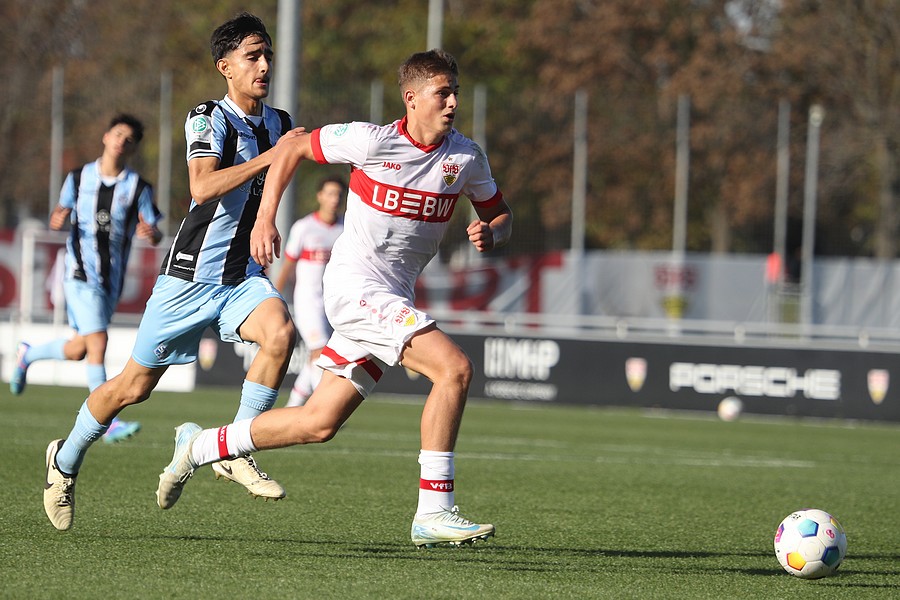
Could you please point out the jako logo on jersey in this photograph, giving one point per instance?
(449, 171)
(390, 165)
(183, 256)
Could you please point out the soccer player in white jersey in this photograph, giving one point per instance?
(405, 180)
(107, 204)
(209, 278)
(306, 253)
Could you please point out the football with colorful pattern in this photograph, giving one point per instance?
(810, 544)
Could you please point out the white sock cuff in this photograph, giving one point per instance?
(436, 465)
(225, 442)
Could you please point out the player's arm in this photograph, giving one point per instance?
(209, 182)
(265, 241)
(63, 210)
(492, 228)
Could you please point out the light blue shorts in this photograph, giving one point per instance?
(88, 307)
(179, 311)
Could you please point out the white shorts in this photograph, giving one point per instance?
(370, 332)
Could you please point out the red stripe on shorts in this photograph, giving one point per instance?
(371, 368)
(436, 485)
(222, 436)
(367, 364)
(334, 356)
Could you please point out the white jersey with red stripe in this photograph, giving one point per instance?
(309, 243)
(401, 197)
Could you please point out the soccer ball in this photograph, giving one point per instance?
(810, 543)
(730, 408)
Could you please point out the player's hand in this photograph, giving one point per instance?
(265, 242)
(290, 135)
(58, 217)
(144, 230)
(481, 235)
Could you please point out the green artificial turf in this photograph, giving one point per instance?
(588, 503)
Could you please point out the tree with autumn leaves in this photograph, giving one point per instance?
(735, 59)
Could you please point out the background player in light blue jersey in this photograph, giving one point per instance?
(208, 278)
(107, 204)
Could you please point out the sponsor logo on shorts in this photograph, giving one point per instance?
(161, 351)
(405, 317)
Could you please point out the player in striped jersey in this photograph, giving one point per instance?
(107, 204)
(405, 181)
(306, 252)
(208, 279)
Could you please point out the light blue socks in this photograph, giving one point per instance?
(51, 350)
(255, 399)
(86, 431)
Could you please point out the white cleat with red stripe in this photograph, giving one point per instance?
(245, 471)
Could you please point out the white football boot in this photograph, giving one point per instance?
(59, 491)
(245, 471)
(447, 527)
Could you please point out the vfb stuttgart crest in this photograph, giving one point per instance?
(450, 172)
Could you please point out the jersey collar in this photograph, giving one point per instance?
(240, 113)
(402, 128)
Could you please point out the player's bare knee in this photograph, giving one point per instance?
(458, 371)
(281, 339)
(126, 392)
(323, 433)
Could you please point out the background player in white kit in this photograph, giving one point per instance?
(306, 252)
(406, 178)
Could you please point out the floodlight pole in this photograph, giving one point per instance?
(164, 170)
(807, 280)
(56, 137)
(435, 24)
(285, 94)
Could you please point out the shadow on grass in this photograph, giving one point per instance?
(494, 555)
